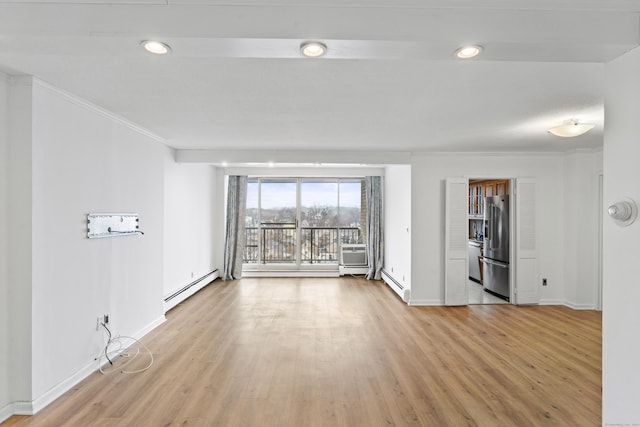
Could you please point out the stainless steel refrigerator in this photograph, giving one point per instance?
(496, 245)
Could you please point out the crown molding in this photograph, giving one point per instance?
(584, 151)
(487, 153)
(98, 110)
(20, 80)
(319, 157)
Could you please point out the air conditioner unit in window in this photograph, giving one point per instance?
(353, 255)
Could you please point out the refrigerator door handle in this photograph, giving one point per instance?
(493, 226)
(496, 263)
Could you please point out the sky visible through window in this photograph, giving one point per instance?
(282, 194)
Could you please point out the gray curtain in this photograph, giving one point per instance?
(235, 232)
(375, 227)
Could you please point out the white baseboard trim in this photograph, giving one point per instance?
(16, 408)
(542, 302)
(6, 412)
(180, 296)
(58, 390)
(565, 303)
(576, 306)
(551, 302)
(150, 327)
(425, 302)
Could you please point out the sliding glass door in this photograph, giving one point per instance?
(298, 222)
(319, 221)
(271, 223)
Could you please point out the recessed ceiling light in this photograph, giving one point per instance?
(467, 52)
(155, 47)
(313, 49)
(571, 128)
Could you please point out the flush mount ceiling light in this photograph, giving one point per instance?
(468, 52)
(313, 49)
(571, 128)
(155, 47)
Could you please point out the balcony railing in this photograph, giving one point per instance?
(318, 245)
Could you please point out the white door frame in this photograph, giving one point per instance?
(600, 219)
(512, 232)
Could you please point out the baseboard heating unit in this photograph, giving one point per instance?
(193, 287)
(398, 288)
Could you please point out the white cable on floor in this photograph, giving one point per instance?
(122, 351)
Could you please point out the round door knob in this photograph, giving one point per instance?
(623, 212)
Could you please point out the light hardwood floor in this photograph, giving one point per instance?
(347, 352)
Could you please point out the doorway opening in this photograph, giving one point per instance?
(489, 228)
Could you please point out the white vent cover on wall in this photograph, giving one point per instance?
(353, 255)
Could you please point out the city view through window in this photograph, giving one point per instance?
(302, 220)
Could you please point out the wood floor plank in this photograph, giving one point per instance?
(345, 352)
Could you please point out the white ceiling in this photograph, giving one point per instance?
(235, 79)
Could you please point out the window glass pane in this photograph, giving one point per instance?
(319, 203)
(278, 201)
(319, 219)
(278, 212)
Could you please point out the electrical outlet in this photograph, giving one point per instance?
(100, 320)
(544, 282)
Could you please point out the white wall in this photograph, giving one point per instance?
(428, 174)
(219, 222)
(190, 215)
(581, 171)
(397, 217)
(19, 239)
(85, 160)
(60, 159)
(4, 274)
(621, 257)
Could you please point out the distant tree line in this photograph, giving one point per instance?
(314, 216)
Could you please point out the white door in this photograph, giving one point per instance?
(526, 285)
(456, 271)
